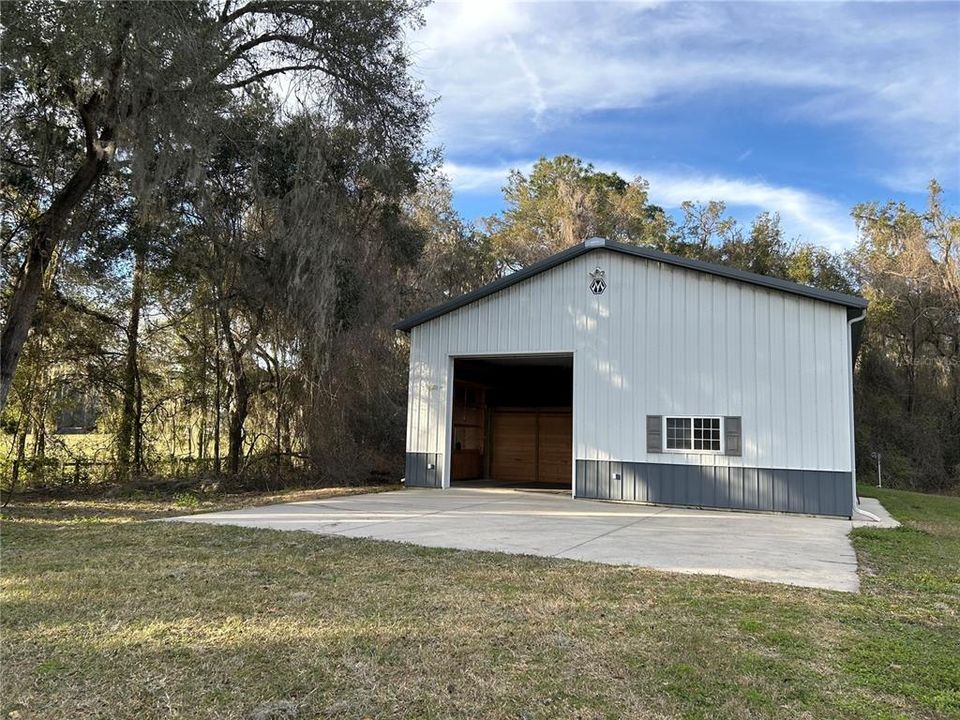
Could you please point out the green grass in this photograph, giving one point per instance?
(105, 616)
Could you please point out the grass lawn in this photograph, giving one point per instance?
(105, 616)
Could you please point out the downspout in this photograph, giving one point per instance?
(853, 437)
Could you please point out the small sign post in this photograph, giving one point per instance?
(877, 456)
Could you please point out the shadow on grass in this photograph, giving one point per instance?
(106, 617)
(44, 510)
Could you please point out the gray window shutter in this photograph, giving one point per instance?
(654, 433)
(732, 442)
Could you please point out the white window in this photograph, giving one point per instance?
(693, 434)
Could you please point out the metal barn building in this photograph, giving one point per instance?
(623, 373)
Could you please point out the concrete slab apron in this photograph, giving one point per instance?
(796, 550)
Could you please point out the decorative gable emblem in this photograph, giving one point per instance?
(598, 281)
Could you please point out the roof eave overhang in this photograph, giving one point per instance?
(490, 288)
(855, 305)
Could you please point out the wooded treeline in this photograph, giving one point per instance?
(214, 212)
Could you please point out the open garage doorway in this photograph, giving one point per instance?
(513, 422)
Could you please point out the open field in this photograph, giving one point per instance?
(85, 459)
(105, 616)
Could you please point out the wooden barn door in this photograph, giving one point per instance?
(555, 447)
(514, 446)
(533, 446)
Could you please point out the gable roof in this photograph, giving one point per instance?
(854, 304)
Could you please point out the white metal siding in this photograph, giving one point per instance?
(661, 340)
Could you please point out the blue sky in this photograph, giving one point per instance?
(804, 109)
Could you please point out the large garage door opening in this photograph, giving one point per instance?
(513, 421)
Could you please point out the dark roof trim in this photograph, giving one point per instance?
(851, 302)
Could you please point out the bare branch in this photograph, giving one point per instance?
(79, 307)
(263, 74)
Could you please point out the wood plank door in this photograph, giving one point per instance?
(555, 448)
(514, 446)
(532, 446)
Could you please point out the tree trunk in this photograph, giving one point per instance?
(40, 432)
(238, 416)
(21, 454)
(218, 398)
(278, 429)
(204, 394)
(20, 433)
(138, 461)
(42, 401)
(241, 396)
(131, 376)
(50, 227)
(53, 221)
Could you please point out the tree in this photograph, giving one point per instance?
(565, 201)
(87, 83)
(454, 258)
(764, 251)
(812, 265)
(704, 229)
(909, 380)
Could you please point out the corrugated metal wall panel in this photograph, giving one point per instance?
(424, 470)
(660, 340)
(814, 492)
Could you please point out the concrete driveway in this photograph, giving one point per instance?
(797, 550)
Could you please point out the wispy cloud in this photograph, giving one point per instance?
(537, 100)
(471, 178)
(810, 217)
(506, 71)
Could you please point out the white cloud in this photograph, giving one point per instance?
(472, 178)
(813, 218)
(507, 71)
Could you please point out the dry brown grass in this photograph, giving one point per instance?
(40, 509)
(125, 619)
